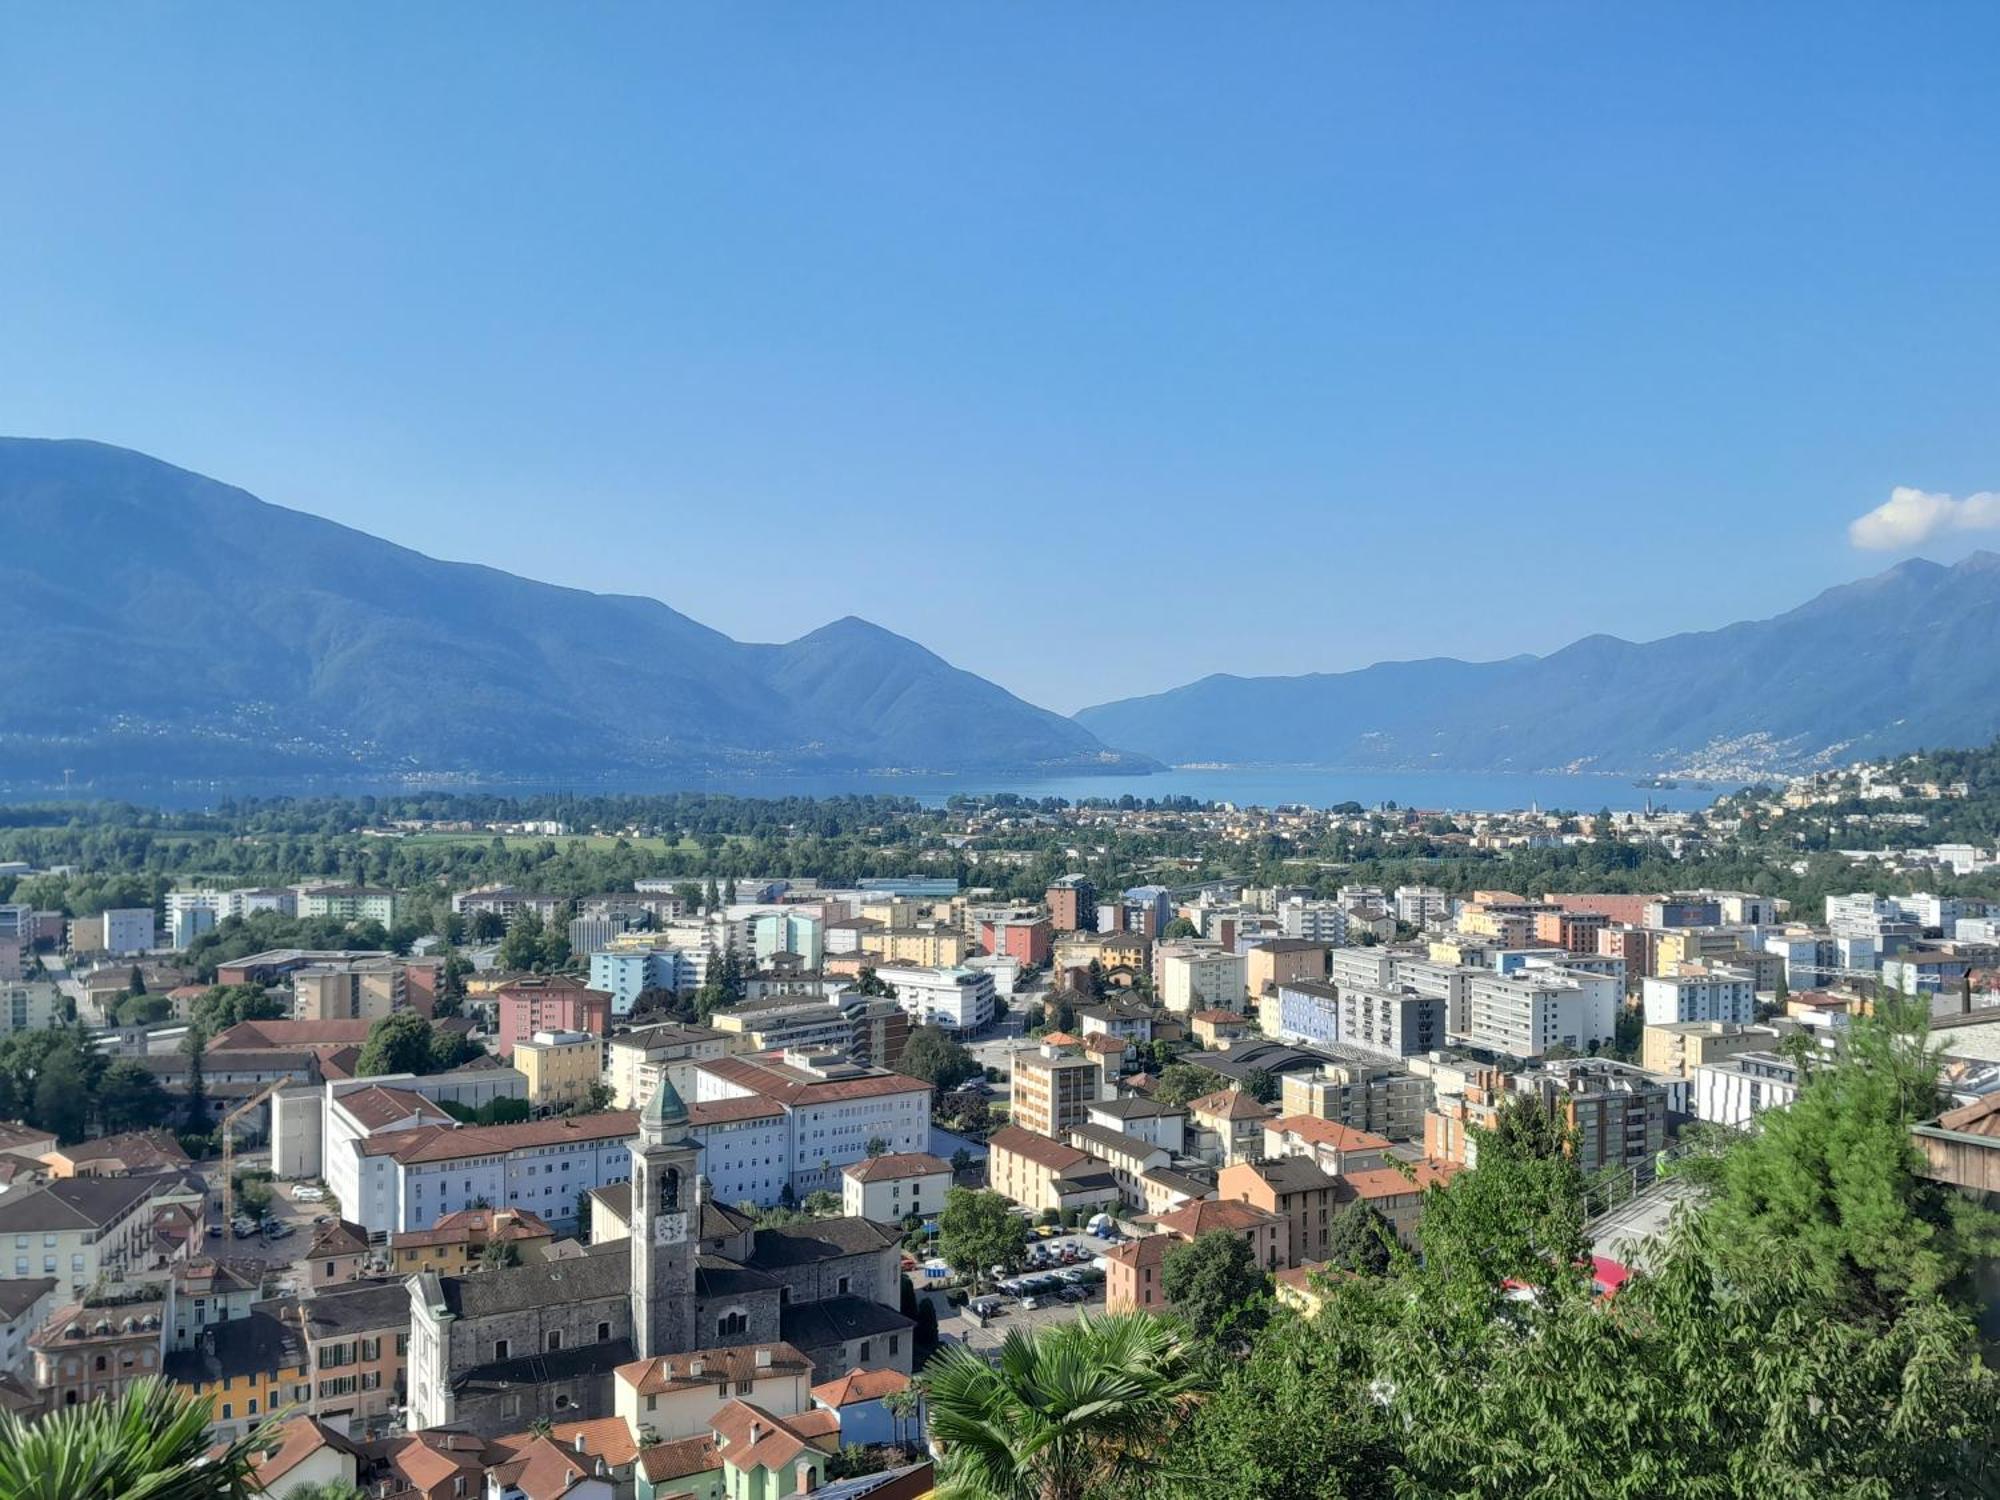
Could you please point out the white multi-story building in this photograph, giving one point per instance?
(773, 1126)
(795, 932)
(1422, 905)
(28, 1007)
(1526, 1014)
(1702, 994)
(954, 999)
(1314, 921)
(1735, 1090)
(129, 930)
(637, 1060)
(1192, 979)
(396, 1161)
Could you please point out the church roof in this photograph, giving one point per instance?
(519, 1288)
(814, 1325)
(543, 1369)
(819, 1239)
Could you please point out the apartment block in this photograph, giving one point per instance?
(1052, 1090)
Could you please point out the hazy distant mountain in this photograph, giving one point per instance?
(157, 621)
(1908, 658)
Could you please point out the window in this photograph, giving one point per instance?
(842, 1285)
(652, 1403)
(864, 1351)
(743, 1387)
(555, 1340)
(733, 1322)
(250, 1409)
(227, 1411)
(499, 1349)
(895, 1343)
(603, 1333)
(102, 1363)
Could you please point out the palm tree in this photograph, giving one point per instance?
(152, 1443)
(1072, 1412)
(332, 1489)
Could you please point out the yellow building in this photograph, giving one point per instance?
(246, 1369)
(561, 1068)
(1051, 1088)
(923, 947)
(1682, 1046)
(456, 1244)
(1678, 946)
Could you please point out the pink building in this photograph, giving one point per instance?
(1029, 940)
(549, 1002)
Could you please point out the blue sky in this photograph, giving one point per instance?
(1097, 347)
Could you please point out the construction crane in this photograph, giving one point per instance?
(229, 1147)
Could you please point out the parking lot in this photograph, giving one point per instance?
(1054, 1310)
(285, 1209)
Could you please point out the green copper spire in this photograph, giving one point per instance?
(664, 1114)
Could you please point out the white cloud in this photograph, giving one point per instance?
(1911, 517)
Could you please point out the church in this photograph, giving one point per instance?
(494, 1352)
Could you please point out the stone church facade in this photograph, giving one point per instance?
(495, 1351)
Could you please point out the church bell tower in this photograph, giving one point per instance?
(665, 1226)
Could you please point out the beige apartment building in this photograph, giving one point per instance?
(363, 990)
(1051, 1089)
(561, 1068)
(636, 1061)
(1680, 1047)
(922, 947)
(1279, 961)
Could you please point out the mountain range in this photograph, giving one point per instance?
(161, 623)
(1905, 659)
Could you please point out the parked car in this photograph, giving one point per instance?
(1074, 1294)
(1029, 1304)
(277, 1229)
(308, 1194)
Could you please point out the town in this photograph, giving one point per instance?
(701, 1185)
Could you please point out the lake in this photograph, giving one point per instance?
(1265, 786)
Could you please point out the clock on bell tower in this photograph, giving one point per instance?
(666, 1223)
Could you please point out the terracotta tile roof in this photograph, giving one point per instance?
(136, 1151)
(1036, 1148)
(679, 1460)
(726, 1111)
(435, 1143)
(298, 1440)
(543, 1470)
(675, 1372)
(608, 1438)
(339, 1238)
(900, 1165)
(1317, 1132)
(376, 1106)
(1192, 1220)
(1147, 1250)
(1387, 1182)
(1223, 1016)
(1103, 1041)
(860, 1385)
(754, 1439)
(789, 1086)
(1229, 1104)
(470, 1225)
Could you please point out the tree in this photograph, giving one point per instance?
(867, 982)
(135, 982)
(488, 926)
(937, 1059)
(1071, 1412)
(979, 1230)
(1180, 927)
(961, 1161)
(1360, 1239)
(196, 1116)
(62, 1098)
(1216, 1285)
(877, 1146)
(496, 1255)
(1518, 1217)
(1260, 1085)
(821, 1204)
(405, 1042)
(131, 1097)
(151, 1443)
(1182, 1082)
(222, 1006)
(1837, 1181)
